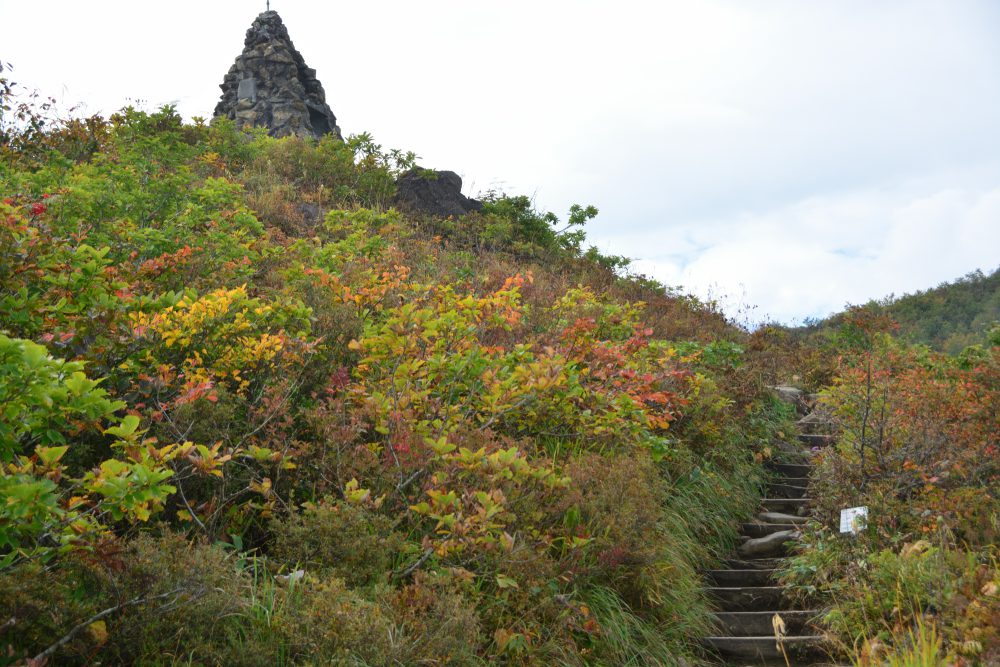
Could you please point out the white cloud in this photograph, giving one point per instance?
(813, 257)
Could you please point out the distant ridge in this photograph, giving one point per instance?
(948, 317)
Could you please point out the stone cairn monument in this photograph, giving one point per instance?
(270, 86)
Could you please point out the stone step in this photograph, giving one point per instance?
(797, 454)
(755, 530)
(817, 428)
(747, 598)
(759, 623)
(816, 422)
(780, 517)
(800, 647)
(776, 490)
(768, 546)
(736, 578)
(793, 504)
(792, 481)
(755, 563)
(817, 439)
(791, 469)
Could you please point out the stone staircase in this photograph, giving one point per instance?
(745, 591)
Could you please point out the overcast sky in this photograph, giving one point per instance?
(787, 157)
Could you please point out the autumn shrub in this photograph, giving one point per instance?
(195, 593)
(439, 620)
(44, 605)
(322, 621)
(279, 207)
(408, 441)
(328, 173)
(618, 503)
(350, 541)
(329, 624)
(54, 506)
(159, 600)
(638, 574)
(878, 596)
(916, 446)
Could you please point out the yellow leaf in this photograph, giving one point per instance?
(76, 501)
(99, 631)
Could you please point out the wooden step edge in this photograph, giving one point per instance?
(807, 468)
(790, 616)
(745, 569)
(782, 518)
(790, 481)
(815, 438)
(766, 647)
(755, 563)
(791, 613)
(744, 577)
(760, 589)
(819, 642)
(775, 490)
(787, 638)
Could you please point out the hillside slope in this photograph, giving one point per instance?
(949, 317)
(271, 420)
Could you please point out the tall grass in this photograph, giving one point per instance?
(627, 639)
(919, 647)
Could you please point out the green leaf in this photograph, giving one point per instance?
(49, 456)
(127, 428)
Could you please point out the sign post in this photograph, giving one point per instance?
(853, 520)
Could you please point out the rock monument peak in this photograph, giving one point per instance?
(270, 86)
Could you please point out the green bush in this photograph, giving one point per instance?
(45, 401)
(333, 537)
(170, 601)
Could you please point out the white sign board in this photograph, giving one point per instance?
(853, 519)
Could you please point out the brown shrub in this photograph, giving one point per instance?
(619, 502)
(334, 537)
(438, 614)
(326, 623)
(172, 601)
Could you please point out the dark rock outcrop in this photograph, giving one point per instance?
(434, 193)
(270, 86)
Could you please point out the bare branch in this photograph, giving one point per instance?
(420, 561)
(42, 658)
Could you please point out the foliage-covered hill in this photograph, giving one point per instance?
(250, 414)
(949, 317)
(254, 415)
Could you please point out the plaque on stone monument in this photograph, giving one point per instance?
(247, 90)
